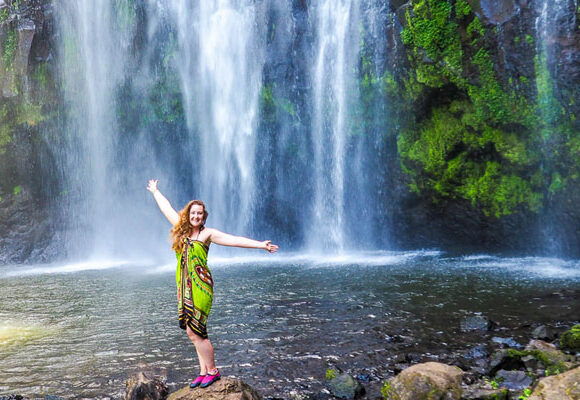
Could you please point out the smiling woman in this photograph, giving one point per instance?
(191, 241)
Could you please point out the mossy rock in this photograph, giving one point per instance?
(570, 340)
(343, 386)
(564, 386)
(427, 381)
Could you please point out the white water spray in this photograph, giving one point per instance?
(337, 50)
(220, 64)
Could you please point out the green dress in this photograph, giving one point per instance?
(194, 287)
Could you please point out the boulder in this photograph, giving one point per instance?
(141, 387)
(514, 380)
(549, 351)
(429, 380)
(343, 386)
(564, 386)
(544, 332)
(224, 389)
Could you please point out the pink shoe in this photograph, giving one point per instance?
(197, 381)
(209, 379)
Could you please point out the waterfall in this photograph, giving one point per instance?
(555, 26)
(93, 46)
(207, 60)
(220, 66)
(337, 51)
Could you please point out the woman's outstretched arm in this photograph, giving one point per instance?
(225, 239)
(164, 204)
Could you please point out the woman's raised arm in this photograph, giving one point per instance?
(225, 239)
(164, 204)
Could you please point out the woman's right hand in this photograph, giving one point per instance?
(152, 185)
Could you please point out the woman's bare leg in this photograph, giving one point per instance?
(205, 352)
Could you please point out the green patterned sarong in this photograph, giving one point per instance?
(194, 287)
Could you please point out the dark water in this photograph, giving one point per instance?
(278, 322)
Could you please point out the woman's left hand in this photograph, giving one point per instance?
(268, 246)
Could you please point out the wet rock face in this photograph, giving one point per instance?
(498, 11)
(224, 389)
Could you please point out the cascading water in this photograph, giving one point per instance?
(93, 48)
(116, 77)
(220, 65)
(337, 50)
(555, 27)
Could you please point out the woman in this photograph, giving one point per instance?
(191, 240)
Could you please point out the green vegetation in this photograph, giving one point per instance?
(527, 393)
(5, 128)
(472, 135)
(331, 373)
(570, 340)
(555, 363)
(17, 190)
(10, 47)
(462, 9)
(388, 392)
(4, 14)
(272, 107)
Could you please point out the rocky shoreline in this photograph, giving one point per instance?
(497, 366)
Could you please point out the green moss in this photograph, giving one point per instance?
(6, 128)
(462, 9)
(4, 14)
(16, 191)
(331, 373)
(29, 114)
(388, 392)
(166, 100)
(570, 340)
(10, 47)
(554, 362)
(475, 27)
(530, 40)
(432, 36)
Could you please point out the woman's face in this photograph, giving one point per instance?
(196, 215)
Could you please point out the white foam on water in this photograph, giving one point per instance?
(371, 258)
(92, 265)
(539, 267)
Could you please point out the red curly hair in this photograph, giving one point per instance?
(183, 228)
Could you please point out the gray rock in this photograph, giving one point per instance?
(141, 387)
(509, 342)
(478, 393)
(344, 386)
(476, 323)
(224, 389)
(544, 332)
(514, 380)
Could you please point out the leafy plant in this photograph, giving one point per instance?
(527, 393)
